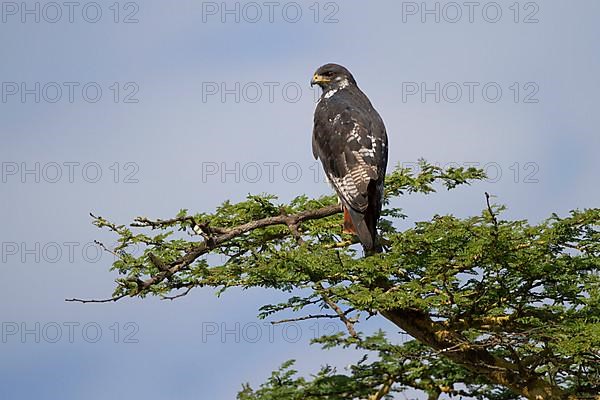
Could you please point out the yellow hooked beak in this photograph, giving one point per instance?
(318, 79)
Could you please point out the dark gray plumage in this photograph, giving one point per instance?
(350, 139)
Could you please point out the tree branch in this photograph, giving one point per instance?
(223, 236)
(497, 370)
(341, 314)
(384, 390)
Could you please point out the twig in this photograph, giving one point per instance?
(304, 318)
(103, 247)
(113, 299)
(341, 314)
(342, 244)
(143, 222)
(490, 210)
(189, 289)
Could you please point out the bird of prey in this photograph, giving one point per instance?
(350, 139)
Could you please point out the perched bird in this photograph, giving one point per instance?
(349, 138)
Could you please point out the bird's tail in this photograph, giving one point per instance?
(364, 227)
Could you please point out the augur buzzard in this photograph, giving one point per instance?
(349, 138)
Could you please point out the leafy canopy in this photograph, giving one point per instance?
(498, 309)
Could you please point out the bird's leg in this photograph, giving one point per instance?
(348, 225)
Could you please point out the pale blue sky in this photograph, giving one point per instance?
(171, 134)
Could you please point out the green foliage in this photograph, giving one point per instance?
(527, 294)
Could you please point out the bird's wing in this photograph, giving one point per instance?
(350, 144)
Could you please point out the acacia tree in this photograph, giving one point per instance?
(497, 309)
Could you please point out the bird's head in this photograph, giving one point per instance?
(332, 76)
